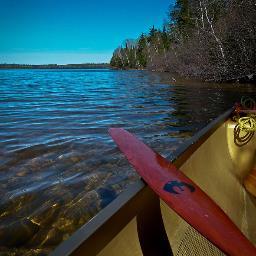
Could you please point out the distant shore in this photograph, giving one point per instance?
(55, 66)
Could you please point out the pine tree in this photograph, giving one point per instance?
(141, 51)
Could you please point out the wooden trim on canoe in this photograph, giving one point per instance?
(93, 236)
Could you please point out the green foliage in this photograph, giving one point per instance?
(179, 15)
(141, 51)
(137, 55)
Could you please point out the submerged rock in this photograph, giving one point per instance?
(82, 208)
(47, 236)
(17, 233)
(106, 195)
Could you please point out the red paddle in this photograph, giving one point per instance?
(183, 196)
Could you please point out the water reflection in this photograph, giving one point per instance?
(59, 167)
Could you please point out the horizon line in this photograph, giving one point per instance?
(56, 64)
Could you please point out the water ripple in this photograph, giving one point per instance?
(59, 167)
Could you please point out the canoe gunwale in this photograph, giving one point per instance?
(92, 236)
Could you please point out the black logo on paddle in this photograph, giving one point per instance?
(172, 185)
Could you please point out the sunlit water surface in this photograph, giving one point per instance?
(58, 165)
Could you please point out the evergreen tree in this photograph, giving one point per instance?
(141, 51)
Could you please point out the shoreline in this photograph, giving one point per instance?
(175, 78)
(56, 66)
(246, 79)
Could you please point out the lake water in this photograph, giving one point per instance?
(58, 165)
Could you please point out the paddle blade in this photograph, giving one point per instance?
(183, 196)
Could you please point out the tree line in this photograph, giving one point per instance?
(213, 40)
(55, 66)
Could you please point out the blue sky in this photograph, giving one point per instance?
(72, 31)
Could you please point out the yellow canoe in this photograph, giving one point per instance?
(139, 223)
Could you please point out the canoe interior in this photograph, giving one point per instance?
(145, 226)
(219, 167)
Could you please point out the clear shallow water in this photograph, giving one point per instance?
(59, 167)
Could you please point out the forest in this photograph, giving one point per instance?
(210, 40)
